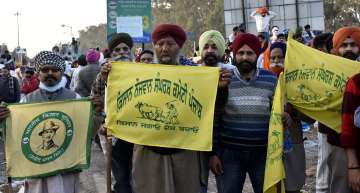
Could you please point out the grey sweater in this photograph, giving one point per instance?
(87, 76)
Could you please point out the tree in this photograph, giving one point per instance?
(339, 13)
(194, 16)
(92, 37)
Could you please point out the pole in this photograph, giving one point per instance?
(108, 163)
(72, 35)
(18, 28)
(297, 13)
(9, 188)
(243, 13)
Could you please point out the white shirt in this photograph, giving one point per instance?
(75, 78)
(263, 23)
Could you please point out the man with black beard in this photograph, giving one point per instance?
(212, 48)
(240, 142)
(50, 67)
(350, 48)
(343, 162)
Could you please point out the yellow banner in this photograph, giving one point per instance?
(162, 105)
(315, 82)
(274, 169)
(44, 139)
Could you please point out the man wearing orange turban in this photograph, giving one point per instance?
(262, 18)
(346, 42)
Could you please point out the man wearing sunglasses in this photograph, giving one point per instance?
(50, 67)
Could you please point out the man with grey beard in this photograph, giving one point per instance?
(157, 169)
(120, 49)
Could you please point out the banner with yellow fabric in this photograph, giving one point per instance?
(44, 139)
(315, 82)
(274, 168)
(162, 105)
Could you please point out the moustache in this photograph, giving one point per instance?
(122, 58)
(50, 77)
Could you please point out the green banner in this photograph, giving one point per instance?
(124, 15)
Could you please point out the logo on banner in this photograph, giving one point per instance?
(47, 137)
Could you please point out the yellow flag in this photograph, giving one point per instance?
(44, 139)
(315, 82)
(274, 169)
(162, 105)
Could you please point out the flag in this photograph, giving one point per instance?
(315, 82)
(44, 139)
(162, 105)
(274, 168)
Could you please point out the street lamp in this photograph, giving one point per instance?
(63, 25)
(18, 33)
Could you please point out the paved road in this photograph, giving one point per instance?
(93, 180)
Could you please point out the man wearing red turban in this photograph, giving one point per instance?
(167, 40)
(240, 145)
(166, 170)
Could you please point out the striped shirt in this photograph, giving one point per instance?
(350, 135)
(245, 119)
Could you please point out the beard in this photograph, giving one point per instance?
(166, 60)
(245, 66)
(350, 55)
(211, 59)
(122, 58)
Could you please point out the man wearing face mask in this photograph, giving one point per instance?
(242, 139)
(120, 49)
(50, 67)
(277, 57)
(294, 152)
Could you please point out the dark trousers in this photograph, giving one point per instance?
(236, 163)
(121, 166)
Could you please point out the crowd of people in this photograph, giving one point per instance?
(241, 119)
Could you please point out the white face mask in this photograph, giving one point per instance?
(54, 88)
(280, 65)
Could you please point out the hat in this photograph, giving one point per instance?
(119, 38)
(169, 30)
(246, 39)
(280, 45)
(343, 33)
(51, 126)
(49, 58)
(214, 36)
(261, 10)
(92, 56)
